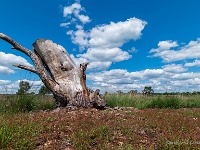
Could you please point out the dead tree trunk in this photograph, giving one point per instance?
(59, 73)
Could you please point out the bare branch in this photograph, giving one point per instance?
(15, 44)
(27, 68)
(37, 60)
(83, 68)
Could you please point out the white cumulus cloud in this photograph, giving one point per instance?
(79, 37)
(103, 42)
(165, 51)
(8, 60)
(194, 63)
(161, 80)
(11, 87)
(98, 65)
(4, 82)
(76, 10)
(105, 54)
(174, 68)
(116, 34)
(71, 9)
(6, 71)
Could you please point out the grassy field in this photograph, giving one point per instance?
(25, 103)
(154, 101)
(146, 126)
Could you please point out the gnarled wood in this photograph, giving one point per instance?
(60, 74)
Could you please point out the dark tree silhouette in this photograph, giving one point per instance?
(148, 90)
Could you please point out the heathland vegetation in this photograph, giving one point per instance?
(130, 121)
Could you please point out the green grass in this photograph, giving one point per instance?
(25, 103)
(114, 100)
(160, 101)
(164, 102)
(16, 131)
(127, 129)
(23, 127)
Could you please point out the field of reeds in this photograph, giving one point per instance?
(153, 101)
(128, 123)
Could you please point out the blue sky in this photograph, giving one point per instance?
(128, 43)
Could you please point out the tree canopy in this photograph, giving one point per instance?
(148, 90)
(44, 90)
(24, 87)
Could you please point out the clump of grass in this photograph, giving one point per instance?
(6, 135)
(25, 103)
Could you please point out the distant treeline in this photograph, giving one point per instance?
(178, 93)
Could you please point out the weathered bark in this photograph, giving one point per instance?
(59, 73)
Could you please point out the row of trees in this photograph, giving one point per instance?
(25, 86)
(146, 91)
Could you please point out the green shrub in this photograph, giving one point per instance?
(18, 103)
(26, 103)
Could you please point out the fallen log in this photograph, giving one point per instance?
(59, 74)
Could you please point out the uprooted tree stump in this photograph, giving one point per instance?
(59, 74)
